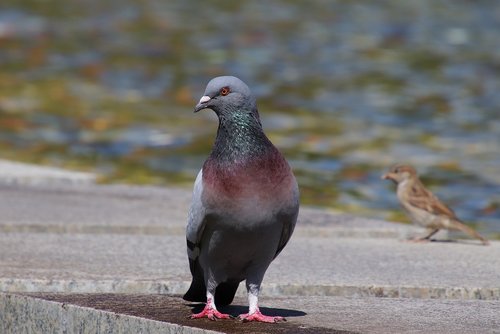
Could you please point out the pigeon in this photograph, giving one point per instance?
(244, 207)
(423, 208)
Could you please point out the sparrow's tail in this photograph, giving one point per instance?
(468, 230)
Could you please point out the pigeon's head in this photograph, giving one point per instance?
(400, 173)
(225, 94)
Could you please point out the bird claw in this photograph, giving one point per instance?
(257, 316)
(210, 313)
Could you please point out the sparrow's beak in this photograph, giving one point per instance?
(203, 103)
(386, 176)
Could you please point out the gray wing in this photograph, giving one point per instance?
(196, 220)
(194, 231)
(288, 219)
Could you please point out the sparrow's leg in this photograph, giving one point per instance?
(210, 311)
(430, 233)
(425, 237)
(253, 310)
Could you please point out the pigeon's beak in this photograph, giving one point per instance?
(203, 103)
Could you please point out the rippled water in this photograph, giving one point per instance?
(345, 89)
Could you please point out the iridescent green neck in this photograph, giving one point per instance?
(239, 136)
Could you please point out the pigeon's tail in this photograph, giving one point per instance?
(197, 291)
(225, 292)
(466, 229)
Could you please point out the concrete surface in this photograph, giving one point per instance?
(334, 267)
(21, 173)
(67, 238)
(125, 313)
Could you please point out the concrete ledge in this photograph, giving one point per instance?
(24, 314)
(129, 313)
(137, 313)
(268, 290)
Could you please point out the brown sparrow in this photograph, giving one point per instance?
(423, 208)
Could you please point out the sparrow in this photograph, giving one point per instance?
(244, 207)
(423, 207)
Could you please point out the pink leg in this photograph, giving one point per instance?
(257, 316)
(210, 312)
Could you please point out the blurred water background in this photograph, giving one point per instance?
(345, 89)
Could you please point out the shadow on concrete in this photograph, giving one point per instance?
(236, 310)
(459, 241)
(445, 241)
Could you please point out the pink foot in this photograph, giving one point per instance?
(257, 316)
(210, 313)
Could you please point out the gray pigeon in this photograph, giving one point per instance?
(244, 207)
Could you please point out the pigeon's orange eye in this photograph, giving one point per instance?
(224, 91)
